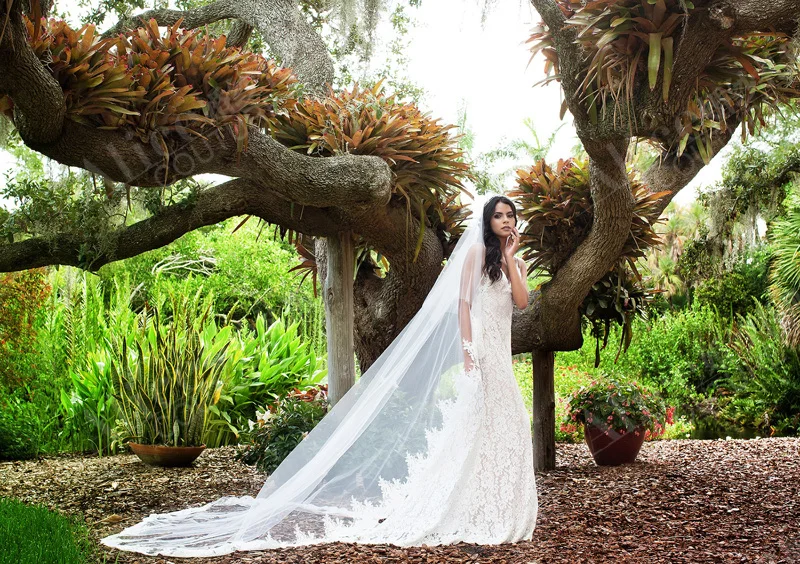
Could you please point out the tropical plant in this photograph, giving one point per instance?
(181, 82)
(280, 429)
(426, 163)
(784, 276)
(20, 428)
(629, 45)
(262, 366)
(556, 205)
(766, 393)
(167, 373)
(89, 408)
(624, 407)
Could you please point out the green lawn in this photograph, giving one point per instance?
(34, 535)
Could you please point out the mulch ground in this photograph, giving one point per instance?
(682, 501)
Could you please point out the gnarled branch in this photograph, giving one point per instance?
(122, 157)
(197, 17)
(39, 106)
(90, 251)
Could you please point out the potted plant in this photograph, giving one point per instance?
(166, 374)
(616, 417)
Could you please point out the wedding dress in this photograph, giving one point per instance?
(422, 450)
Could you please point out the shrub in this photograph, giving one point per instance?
(765, 393)
(22, 297)
(280, 429)
(20, 429)
(262, 366)
(617, 406)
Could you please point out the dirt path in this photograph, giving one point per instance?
(683, 501)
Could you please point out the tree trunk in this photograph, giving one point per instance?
(339, 316)
(544, 410)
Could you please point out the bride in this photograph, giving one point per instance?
(432, 445)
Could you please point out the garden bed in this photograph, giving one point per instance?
(682, 501)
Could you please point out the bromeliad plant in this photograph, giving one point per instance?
(427, 165)
(160, 85)
(630, 47)
(166, 373)
(622, 407)
(556, 205)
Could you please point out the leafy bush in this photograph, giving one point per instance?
(20, 428)
(31, 534)
(618, 406)
(166, 374)
(731, 293)
(22, 297)
(262, 366)
(90, 409)
(280, 430)
(765, 393)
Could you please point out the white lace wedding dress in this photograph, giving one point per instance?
(461, 469)
(476, 482)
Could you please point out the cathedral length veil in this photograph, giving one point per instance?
(371, 471)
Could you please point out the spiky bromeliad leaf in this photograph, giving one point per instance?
(556, 205)
(627, 39)
(427, 165)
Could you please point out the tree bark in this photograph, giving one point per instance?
(544, 411)
(339, 315)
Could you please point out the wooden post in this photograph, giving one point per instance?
(339, 316)
(544, 410)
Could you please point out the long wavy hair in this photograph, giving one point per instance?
(492, 243)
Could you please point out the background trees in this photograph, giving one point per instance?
(681, 75)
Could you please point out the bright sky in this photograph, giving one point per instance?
(462, 63)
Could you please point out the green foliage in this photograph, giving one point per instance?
(785, 274)
(32, 534)
(166, 374)
(90, 410)
(766, 392)
(731, 293)
(22, 297)
(263, 365)
(20, 428)
(623, 407)
(280, 431)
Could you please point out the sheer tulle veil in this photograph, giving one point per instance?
(338, 483)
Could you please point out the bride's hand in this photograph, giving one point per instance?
(512, 245)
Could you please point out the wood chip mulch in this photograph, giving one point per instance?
(682, 501)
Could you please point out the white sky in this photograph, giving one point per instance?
(462, 63)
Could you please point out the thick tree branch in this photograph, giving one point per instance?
(197, 17)
(90, 251)
(119, 155)
(672, 173)
(39, 107)
(240, 33)
(745, 16)
(551, 14)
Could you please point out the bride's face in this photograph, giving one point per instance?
(503, 220)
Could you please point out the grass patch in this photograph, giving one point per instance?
(31, 534)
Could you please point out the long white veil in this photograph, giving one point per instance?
(350, 479)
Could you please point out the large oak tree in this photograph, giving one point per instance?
(680, 74)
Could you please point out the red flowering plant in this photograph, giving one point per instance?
(623, 407)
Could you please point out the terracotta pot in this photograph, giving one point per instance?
(612, 448)
(157, 455)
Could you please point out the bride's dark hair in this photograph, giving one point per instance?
(490, 240)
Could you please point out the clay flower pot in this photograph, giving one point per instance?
(157, 455)
(610, 448)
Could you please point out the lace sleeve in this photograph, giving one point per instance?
(470, 278)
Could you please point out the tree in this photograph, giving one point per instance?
(681, 75)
